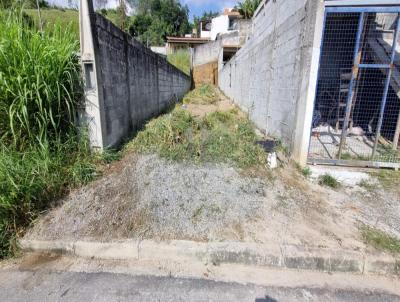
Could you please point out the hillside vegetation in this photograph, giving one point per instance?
(65, 18)
(51, 16)
(181, 60)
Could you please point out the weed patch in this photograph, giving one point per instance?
(367, 185)
(204, 95)
(388, 178)
(305, 171)
(217, 137)
(380, 240)
(329, 181)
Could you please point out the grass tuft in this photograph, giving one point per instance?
(380, 240)
(306, 171)
(329, 181)
(368, 185)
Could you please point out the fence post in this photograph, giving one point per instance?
(387, 83)
(351, 94)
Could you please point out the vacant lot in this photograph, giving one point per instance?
(169, 185)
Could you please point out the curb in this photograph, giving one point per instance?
(263, 255)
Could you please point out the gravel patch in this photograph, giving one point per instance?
(146, 197)
(150, 197)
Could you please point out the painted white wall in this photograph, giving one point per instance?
(162, 50)
(205, 34)
(220, 24)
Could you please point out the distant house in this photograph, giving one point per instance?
(175, 44)
(222, 24)
(209, 30)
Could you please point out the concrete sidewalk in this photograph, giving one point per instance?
(216, 253)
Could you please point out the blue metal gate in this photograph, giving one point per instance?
(356, 119)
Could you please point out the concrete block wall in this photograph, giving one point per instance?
(210, 52)
(133, 84)
(271, 76)
(207, 58)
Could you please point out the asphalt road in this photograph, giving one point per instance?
(85, 287)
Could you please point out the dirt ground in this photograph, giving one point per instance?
(148, 197)
(144, 196)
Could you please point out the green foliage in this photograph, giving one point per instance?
(206, 16)
(305, 171)
(181, 60)
(64, 17)
(157, 19)
(380, 240)
(205, 94)
(217, 137)
(248, 7)
(41, 153)
(39, 82)
(329, 181)
(33, 3)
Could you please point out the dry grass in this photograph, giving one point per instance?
(380, 240)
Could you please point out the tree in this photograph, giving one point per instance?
(206, 16)
(34, 3)
(154, 20)
(248, 7)
(122, 17)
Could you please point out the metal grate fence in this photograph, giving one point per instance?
(357, 108)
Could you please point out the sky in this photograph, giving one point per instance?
(196, 7)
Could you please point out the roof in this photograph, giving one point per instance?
(231, 12)
(187, 40)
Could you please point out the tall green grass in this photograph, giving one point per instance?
(41, 154)
(52, 16)
(181, 60)
(39, 81)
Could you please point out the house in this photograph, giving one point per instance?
(224, 23)
(227, 32)
(209, 30)
(175, 44)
